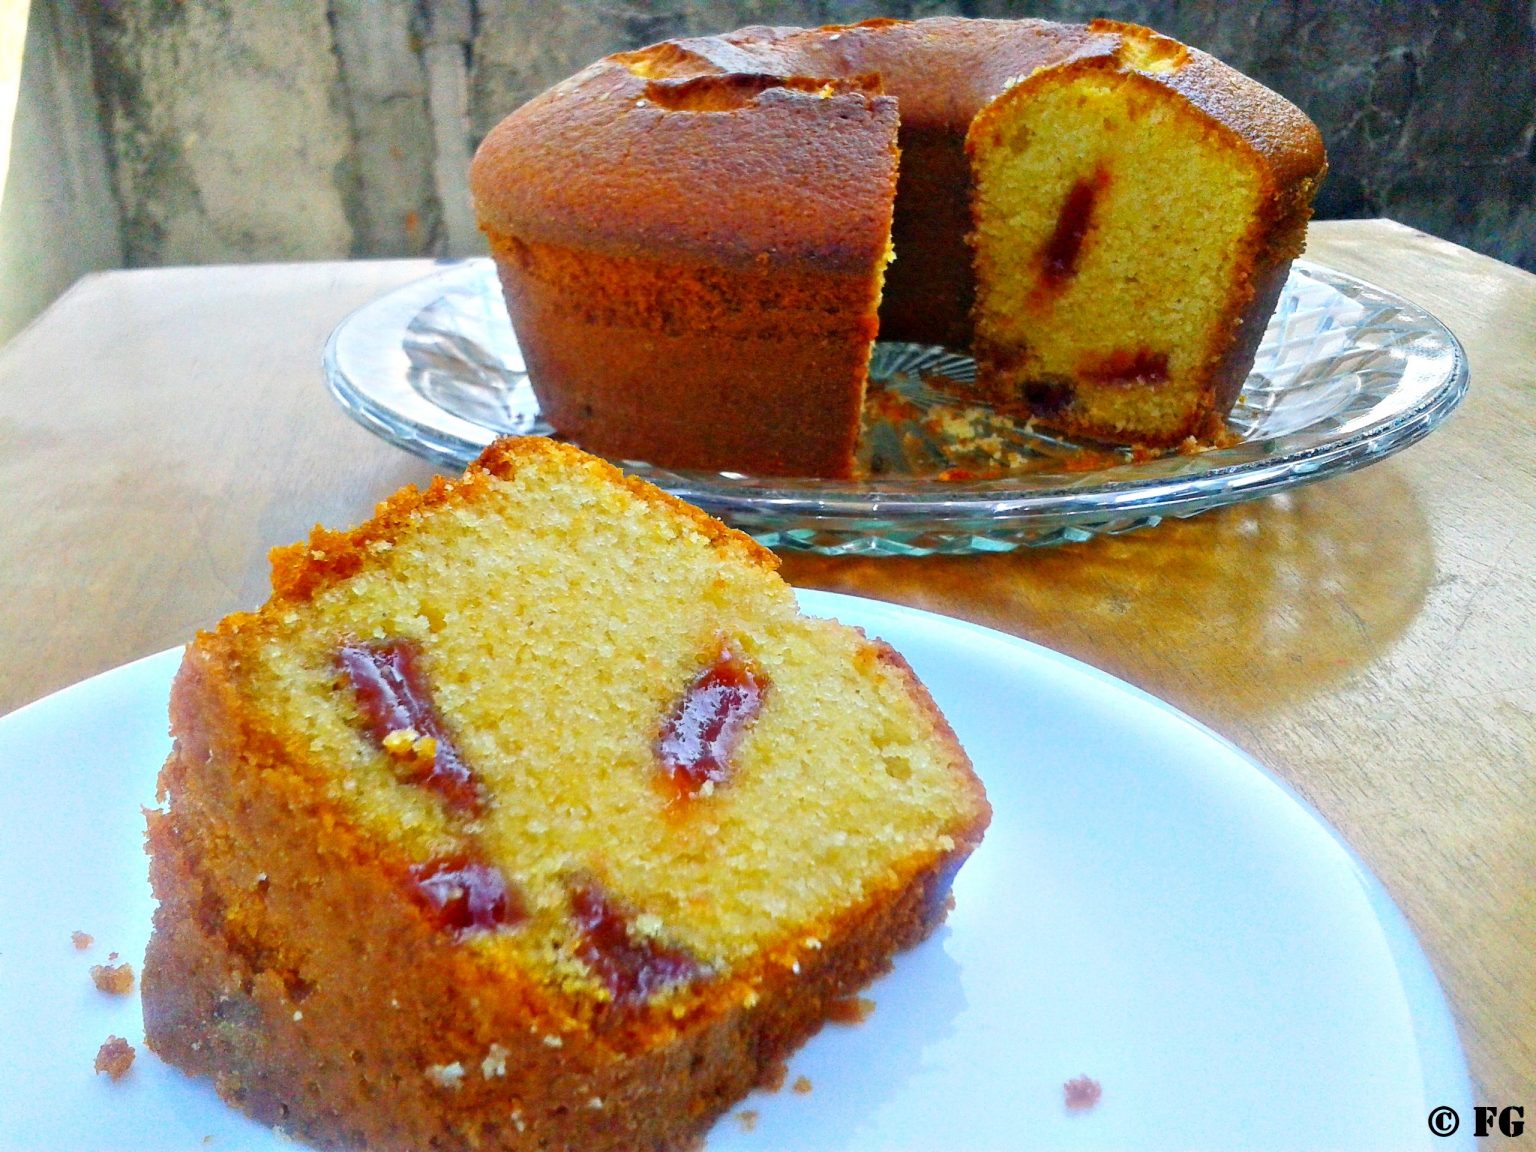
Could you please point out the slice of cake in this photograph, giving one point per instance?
(531, 814)
(1134, 223)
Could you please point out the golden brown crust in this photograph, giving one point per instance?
(746, 345)
(810, 206)
(309, 1061)
(651, 360)
(328, 556)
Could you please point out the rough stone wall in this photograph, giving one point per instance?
(229, 130)
(294, 129)
(387, 186)
(58, 219)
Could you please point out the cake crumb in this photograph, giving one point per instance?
(81, 940)
(747, 1117)
(1081, 1093)
(113, 979)
(115, 1057)
(850, 1010)
(801, 1086)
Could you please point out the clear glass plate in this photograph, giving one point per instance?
(1347, 374)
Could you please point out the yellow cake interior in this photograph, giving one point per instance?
(555, 664)
(1136, 309)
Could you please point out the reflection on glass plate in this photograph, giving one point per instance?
(1150, 908)
(1347, 374)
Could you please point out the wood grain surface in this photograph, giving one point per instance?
(1371, 638)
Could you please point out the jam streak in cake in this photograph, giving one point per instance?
(396, 701)
(1123, 367)
(632, 967)
(706, 725)
(466, 896)
(1060, 258)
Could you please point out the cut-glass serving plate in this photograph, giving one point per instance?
(1347, 374)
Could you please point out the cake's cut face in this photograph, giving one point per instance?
(1115, 233)
(535, 790)
(693, 238)
(566, 704)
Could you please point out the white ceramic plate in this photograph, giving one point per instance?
(1150, 908)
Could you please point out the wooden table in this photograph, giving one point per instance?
(1372, 638)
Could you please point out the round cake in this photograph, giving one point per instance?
(699, 241)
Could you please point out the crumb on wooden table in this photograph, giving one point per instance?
(114, 979)
(802, 1085)
(1081, 1093)
(115, 1057)
(81, 940)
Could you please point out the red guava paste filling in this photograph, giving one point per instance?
(395, 699)
(465, 896)
(1065, 248)
(632, 967)
(1125, 367)
(707, 724)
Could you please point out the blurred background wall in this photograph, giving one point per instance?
(154, 132)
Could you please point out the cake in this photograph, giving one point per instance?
(532, 814)
(699, 241)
